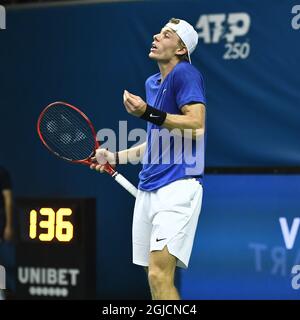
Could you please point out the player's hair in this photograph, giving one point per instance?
(182, 57)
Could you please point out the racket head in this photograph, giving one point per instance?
(68, 133)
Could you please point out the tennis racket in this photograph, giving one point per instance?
(69, 134)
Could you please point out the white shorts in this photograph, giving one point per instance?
(166, 217)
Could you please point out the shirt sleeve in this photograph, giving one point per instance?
(5, 181)
(189, 87)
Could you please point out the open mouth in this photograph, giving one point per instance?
(153, 47)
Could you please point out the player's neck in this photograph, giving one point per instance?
(166, 68)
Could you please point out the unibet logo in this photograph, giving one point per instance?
(215, 27)
(48, 276)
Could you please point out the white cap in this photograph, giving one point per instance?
(187, 34)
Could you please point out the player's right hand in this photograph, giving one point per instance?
(102, 157)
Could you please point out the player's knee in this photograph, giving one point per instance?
(158, 277)
(155, 277)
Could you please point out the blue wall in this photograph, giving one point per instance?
(88, 54)
(239, 250)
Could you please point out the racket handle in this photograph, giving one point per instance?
(125, 183)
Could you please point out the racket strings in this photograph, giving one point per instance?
(70, 133)
(67, 133)
(61, 142)
(67, 137)
(62, 138)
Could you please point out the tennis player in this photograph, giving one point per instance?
(169, 198)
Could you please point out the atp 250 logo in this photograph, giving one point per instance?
(231, 27)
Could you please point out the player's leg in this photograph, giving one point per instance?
(161, 275)
(176, 211)
(141, 231)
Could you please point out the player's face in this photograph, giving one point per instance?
(165, 45)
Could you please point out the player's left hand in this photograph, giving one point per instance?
(134, 105)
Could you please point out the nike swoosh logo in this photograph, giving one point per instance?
(153, 116)
(160, 239)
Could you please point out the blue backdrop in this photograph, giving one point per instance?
(239, 251)
(88, 54)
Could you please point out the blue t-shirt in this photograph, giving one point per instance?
(171, 157)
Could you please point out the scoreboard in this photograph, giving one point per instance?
(55, 251)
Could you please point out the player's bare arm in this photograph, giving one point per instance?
(131, 155)
(193, 116)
